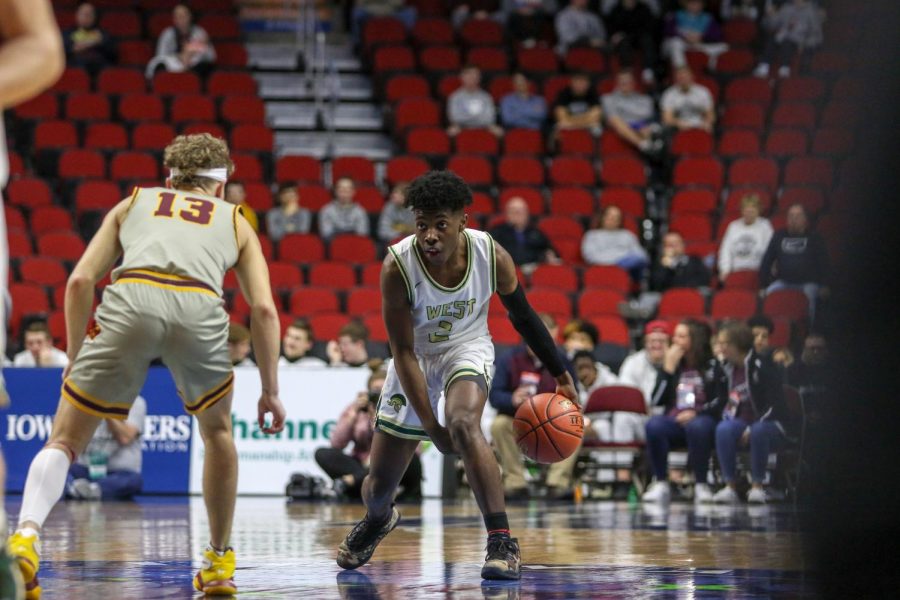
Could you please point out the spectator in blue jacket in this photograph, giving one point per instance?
(692, 28)
(521, 108)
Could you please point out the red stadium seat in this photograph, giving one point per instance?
(488, 59)
(42, 107)
(836, 141)
(476, 141)
(82, 164)
(582, 59)
(243, 109)
(334, 275)
(736, 62)
(64, 246)
(570, 170)
(381, 31)
(375, 325)
(141, 107)
(152, 136)
(809, 171)
(519, 170)
(220, 26)
(623, 171)
(246, 167)
(790, 304)
(559, 226)
(599, 301)
(371, 275)
(252, 138)
(572, 201)
(739, 142)
(306, 169)
(55, 134)
(532, 197)
(134, 166)
(733, 304)
(502, 331)
(794, 114)
(121, 24)
(430, 141)
(481, 32)
(27, 298)
(106, 136)
(607, 277)
(416, 112)
(301, 248)
(742, 280)
(45, 219)
(393, 59)
(475, 170)
(482, 205)
(576, 141)
(20, 244)
(14, 218)
(561, 277)
(692, 142)
(440, 59)
(213, 129)
(537, 61)
(810, 198)
(134, 53)
(744, 114)
(364, 301)
(259, 196)
(224, 83)
(351, 248)
(432, 32)
(173, 84)
(754, 172)
(43, 271)
(693, 201)
(192, 107)
(400, 87)
(523, 141)
(404, 169)
(629, 201)
(88, 107)
(314, 197)
(553, 86)
(284, 277)
(785, 143)
(551, 301)
(312, 301)
(73, 80)
(699, 171)
(693, 227)
(749, 89)
(739, 31)
(613, 330)
(736, 195)
(358, 168)
(231, 55)
(96, 196)
(801, 89)
(28, 192)
(677, 303)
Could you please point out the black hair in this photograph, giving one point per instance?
(438, 191)
(700, 352)
(761, 321)
(583, 354)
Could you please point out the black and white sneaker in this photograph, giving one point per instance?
(503, 559)
(359, 545)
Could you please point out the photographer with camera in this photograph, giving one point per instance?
(357, 424)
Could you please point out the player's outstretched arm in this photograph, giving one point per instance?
(398, 321)
(529, 325)
(31, 58)
(265, 329)
(98, 258)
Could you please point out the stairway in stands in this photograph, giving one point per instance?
(318, 99)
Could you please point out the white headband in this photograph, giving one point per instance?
(218, 174)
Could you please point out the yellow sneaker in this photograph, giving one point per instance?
(216, 576)
(26, 550)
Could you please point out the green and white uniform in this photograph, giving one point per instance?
(450, 329)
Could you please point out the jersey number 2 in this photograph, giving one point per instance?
(198, 211)
(438, 336)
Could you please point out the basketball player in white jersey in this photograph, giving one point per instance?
(165, 301)
(436, 286)
(31, 60)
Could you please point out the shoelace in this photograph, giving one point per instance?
(505, 548)
(364, 532)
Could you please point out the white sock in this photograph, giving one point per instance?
(44, 485)
(3, 525)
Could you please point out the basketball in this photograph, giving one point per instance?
(548, 428)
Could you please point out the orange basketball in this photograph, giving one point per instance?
(548, 428)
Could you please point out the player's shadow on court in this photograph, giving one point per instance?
(354, 585)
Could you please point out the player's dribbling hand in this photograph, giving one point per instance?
(566, 387)
(270, 403)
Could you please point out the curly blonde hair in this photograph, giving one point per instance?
(191, 153)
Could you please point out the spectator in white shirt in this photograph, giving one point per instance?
(745, 240)
(687, 105)
(296, 347)
(641, 368)
(39, 350)
(239, 345)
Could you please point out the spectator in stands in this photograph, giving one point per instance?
(183, 46)
(761, 327)
(687, 105)
(519, 376)
(357, 425)
(363, 10)
(527, 244)
(521, 108)
(578, 106)
(110, 466)
(576, 25)
(686, 390)
(525, 19)
(676, 268)
(632, 27)
(608, 243)
(470, 107)
(237, 194)
(297, 345)
(239, 346)
(463, 10)
(288, 217)
(796, 259)
(39, 350)
(755, 412)
(793, 27)
(592, 374)
(632, 114)
(396, 221)
(343, 215)
(810, 374)
(692, 28)
(641, 369)
(87, 45)
(583, 335)
(745, 240)
(349, 349)
(743, 9)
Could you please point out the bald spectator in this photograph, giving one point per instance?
(578, 26)
(676, 268)
(527, 245)
(578, 106)
(632, 114)
(521, 109)
(687, 105)
(343, 215)
(470, 107)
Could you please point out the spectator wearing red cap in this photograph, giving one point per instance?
(641, 368)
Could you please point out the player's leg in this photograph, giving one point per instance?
(466, 397)
(219, 470)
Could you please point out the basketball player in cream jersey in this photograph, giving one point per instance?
(165, 301)
(436, 286)
(31, 60)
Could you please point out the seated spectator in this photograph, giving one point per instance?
(641, 369)
(349, 349)
(527, 245)
(396, 220)
(677, 269)
(519, 376)
(343, 215)
(761, 327)
(237, 194)
(297, 345)
(39, 350)
(755, 412)
(578, 106)
(745, 240)
(632, 26)
(692, 28)
(743, 9)
(790, 29)
(591, 374)
(522, 109)
(525, 19)
(686, 390)
(796, 259)
(608, 243)
(110, 466)
(87, 45)
(687, 105)
(810, 374)
(239, 346)
(463, 10)
(288, 217)
(470, 107)
(356, 425)
(183, 46)
(583, 335)
(576, 25)
(632, 114)
(363, 10)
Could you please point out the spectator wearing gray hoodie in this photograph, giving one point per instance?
(790, 29)
(577, 26)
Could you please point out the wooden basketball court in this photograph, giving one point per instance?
(149, 549)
